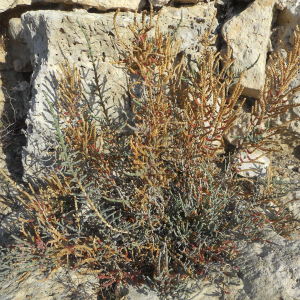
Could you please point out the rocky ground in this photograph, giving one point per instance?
(262, 269)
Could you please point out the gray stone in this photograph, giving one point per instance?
(101, 5)
(248, 36)
(196, 20)
(15, 29)
(104, 5)
(252, 164)
(65, 284)
(271, 270)
(22, 64)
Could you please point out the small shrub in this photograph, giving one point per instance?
(153, 200)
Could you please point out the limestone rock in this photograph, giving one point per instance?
(101, 5)
(22, 64)
(9, 4)
(196, 20)
(248, 36)
(15, 28)
(64, 284)
(104, 5)
(18, 56)
(271, 270)
(220, 3)
(253, 164)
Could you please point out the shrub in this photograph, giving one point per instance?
(154, 200)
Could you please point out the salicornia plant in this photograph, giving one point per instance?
(153, 200)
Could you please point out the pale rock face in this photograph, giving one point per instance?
(15, 28)
(101, 5)
(195, 21)
(8, 4)
(270, 270)
(18, 49)
(104, 5)
(252, 164)
(249, 33)
(52, 36)
(83, 286)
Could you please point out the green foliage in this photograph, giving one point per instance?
(163, 203)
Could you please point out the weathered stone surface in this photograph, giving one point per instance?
(15, 28)
(65, 284)
(253, 164)
(8, 4)
(104, 5)
(195, 21)
(101, 5)
(248, 36)
(272, 270)
(52, 36)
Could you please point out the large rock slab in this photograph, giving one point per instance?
(53, 36)
(101, 5)
(104, 5)
(248, 36)
(271, 270)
